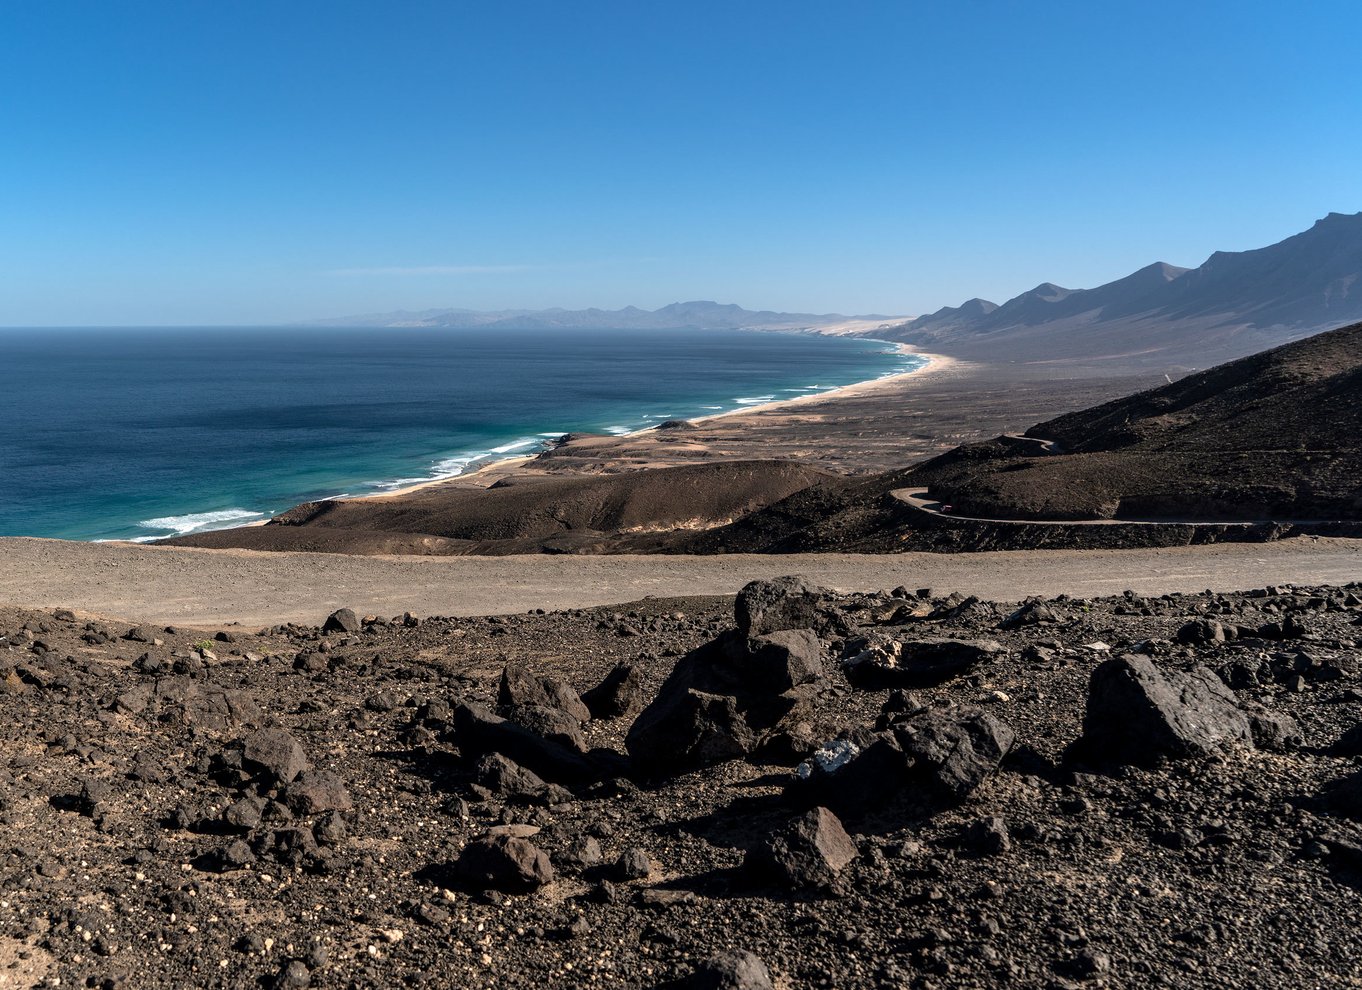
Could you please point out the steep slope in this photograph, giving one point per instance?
(1234, 304)
(1275, 435)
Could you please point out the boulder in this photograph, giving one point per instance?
(620, 694)
(504, 862)
(1137, 713)
(520, 687)
(478, 732)
(987, 836)
(782, 603)
(953, 753)
(1350, 743)
(916, 663)
(777, 661)
(808, 853)
(634, 864)
(852, 774)
(687, 730)
(274, 753)
(722, 698)
(343, 620)
(553, 724)
(1273, 731)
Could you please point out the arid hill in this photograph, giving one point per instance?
(531, 514)
(1274, 438)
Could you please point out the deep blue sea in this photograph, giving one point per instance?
(147, 433)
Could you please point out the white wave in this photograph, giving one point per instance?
(619, 431)
(506, 448)
(195, 522)
(754, 400)
(711, 407)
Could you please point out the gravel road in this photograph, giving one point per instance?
(209, 587)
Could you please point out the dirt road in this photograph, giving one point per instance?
(210, 587)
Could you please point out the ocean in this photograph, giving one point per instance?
(140, 434)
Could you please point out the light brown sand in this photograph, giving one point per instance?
(209, 587)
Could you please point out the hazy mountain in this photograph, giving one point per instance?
(1234, 304)
(699, 315)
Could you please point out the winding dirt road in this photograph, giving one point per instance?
(196, 587)
(918, 499)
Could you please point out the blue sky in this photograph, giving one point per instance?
(247, 162)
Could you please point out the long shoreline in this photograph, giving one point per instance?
(933, 363)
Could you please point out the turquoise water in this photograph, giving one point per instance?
(146, 433)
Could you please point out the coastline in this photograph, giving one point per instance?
(934, 365)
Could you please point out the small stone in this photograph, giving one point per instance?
(504, 862)
(808, 853)
(236, 856)
(634, 864)
(736, 970)
(317, 791)
(294, 974)
(988, 837)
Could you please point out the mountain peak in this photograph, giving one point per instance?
(1338, 220)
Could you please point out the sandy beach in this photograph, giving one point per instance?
(489, 473)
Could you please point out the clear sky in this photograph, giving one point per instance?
(256, 160)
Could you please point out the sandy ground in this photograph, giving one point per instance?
(211, 587)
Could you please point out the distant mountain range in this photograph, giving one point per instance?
(1234, 304)
(678, 316)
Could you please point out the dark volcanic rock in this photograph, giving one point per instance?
(620, 694)
(553, 724)
(777, 661)
(782, 603)
(689, 728)
(507, 779)
(1274, 731)
(1350, 743)
(1344, 796)
(343, 620)
(316, 791)
(858, 771)
(520, 687)
(916, 663)
(735, 970)
(274, 752)
(808, 853)
(954, 753)
(503, 862)
(1137, 713)
(634, 864)
(1201, 632)
(721, 698)
(478, 732)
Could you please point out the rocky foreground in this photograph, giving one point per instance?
(804, 789)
